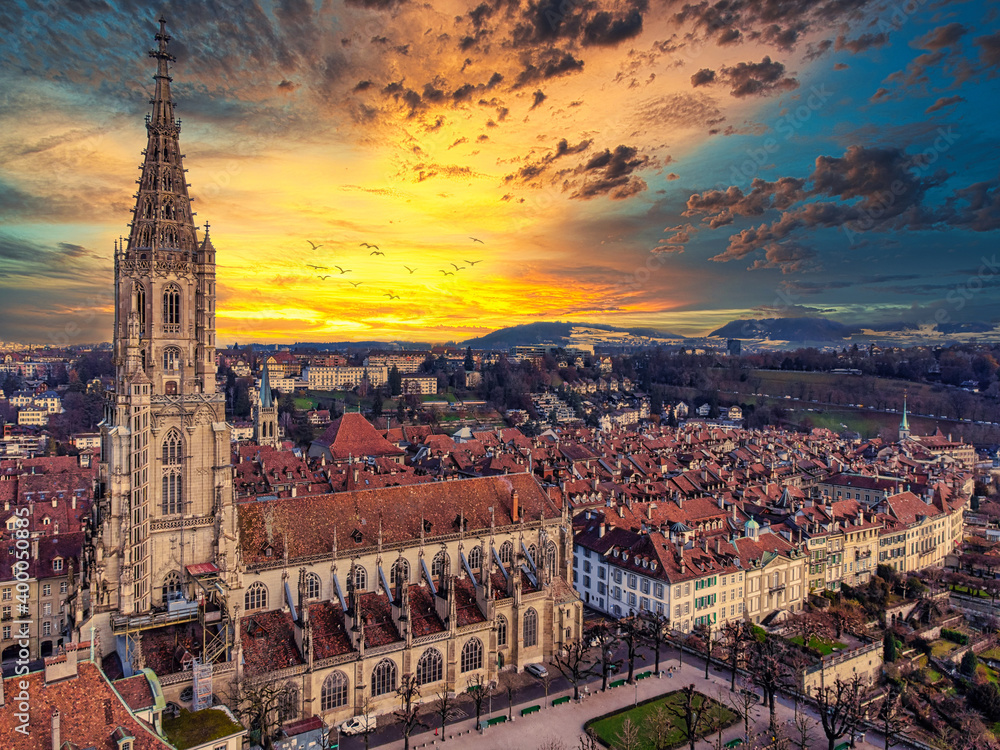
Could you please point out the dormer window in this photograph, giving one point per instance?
(652, 565)
(57, 564)
(356, 536)
(46, 521)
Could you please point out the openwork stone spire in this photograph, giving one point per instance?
(162, 218)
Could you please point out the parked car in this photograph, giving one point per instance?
(358, 724)
(538, 670)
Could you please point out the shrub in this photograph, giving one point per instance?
(969, 663)
(955, 636)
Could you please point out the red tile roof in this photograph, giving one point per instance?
(89, 712)
(136, 692)
(353, 435)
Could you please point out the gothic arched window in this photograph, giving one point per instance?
(334, 691)
(532, 554)
(384, 677)
(507, 552)
(550, 556)
(172, 449)
(172, 306)
(472, 655)
(313, 586)
(360, 578)
(530, 637)
(171, 359)
(171, 586)
(437, 566)
(400, 570)
(475, 558)
(429, 668)
(255, 597)
(139, 306)
(172, 482)
(501, 630)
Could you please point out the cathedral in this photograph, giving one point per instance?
(337, 596)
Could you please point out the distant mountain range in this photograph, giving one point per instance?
(786, 329)
(562, 334)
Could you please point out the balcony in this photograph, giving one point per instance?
(171, 328)
(776, 589)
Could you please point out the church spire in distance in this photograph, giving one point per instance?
(162, 218)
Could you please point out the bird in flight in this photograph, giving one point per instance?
(473, 262)
(368, 244)
(411, 270)
(342, 270)
(391, 296)
(324, 277)
(355, 284)
(314, 245)
(446, 273)
(376, 252)
(477, 240)
(318, 268)
(458, 267)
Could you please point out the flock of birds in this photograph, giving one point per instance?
(376, 251)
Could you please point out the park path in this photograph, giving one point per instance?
(564, 723)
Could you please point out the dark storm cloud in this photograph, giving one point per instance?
(875, 188)
(989, 49)
(533, 169)
(549, 64)
(537, 98)
(790, 257)
(942, 36)
(703, 77)
(944, 101)
(862, 43)
(757, 79)
(610, 173)
(604, 29)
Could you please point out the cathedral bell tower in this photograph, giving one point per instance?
(165, 471)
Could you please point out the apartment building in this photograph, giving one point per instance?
(344, 378)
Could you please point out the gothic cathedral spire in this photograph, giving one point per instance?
(167, 489)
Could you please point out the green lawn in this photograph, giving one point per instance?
(991, 653)
(822, 645)
(942, 648)
(608, 727)
(191, 729)
(933, 675)
(970, 591)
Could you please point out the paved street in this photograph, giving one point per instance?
(565, 722)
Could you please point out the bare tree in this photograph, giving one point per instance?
(840, 707)
(706, 633)
(769, 669)
(508, 683)
(478, 689)
(656, 729)
(734, 640)
(627, 737)
(552, 744)
(368, 728)
(589, 741)
(262, 703)
(443, 705)
(631, 632)
(574, 662)
(692, 716)
(656, 626)
(406, 715)
(891, 717)
(605, 640)
(803, 728)
(743, 703)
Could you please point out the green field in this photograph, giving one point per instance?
(607, 728)
(822, 645)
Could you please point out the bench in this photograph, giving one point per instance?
(530, 710)
(643, 676)
(734, 743)
(560, 701)
(496, 720)
(618, 683)
(842, 746)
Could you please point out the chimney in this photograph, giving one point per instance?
(649, 510)
(515, 510)
(718, 546)
(62, 665)
(56, 741)
(704, 544)
(601, 529)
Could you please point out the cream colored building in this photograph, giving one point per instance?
(344, 378)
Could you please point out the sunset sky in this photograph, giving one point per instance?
(666, 164)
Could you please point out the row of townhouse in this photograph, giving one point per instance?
(343, 378)
(693, 582)
(760, 570)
